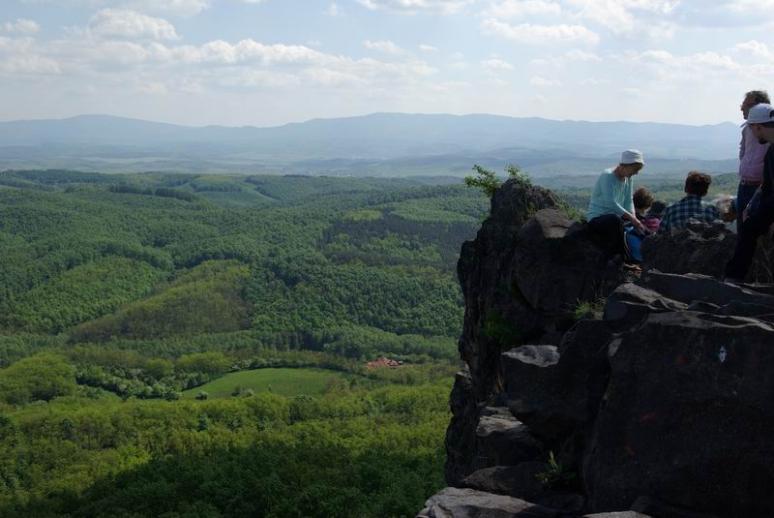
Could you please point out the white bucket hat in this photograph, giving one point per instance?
(632, 156)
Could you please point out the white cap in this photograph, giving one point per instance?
(632, 156)
(761, 114)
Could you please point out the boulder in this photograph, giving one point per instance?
(468, 503)
(460, 438)
(704, 248)
(524, 481)
(620, 514)
(502, 440)
(699, 248)
(555, 390)
(689, 401)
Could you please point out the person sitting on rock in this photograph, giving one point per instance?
(643, 200)
(654, 216)
(677, 215)
(611, 204)
(758, 216)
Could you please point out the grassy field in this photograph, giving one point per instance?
(285, 382)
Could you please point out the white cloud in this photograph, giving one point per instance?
(541, 34)
(592, 81)
(124, 23)
(171, 7)
(754, 48)
(619, 15)
(20, 26)
(415, 6)
(664, 66)
(385, 46)
(427, 48)
(333, 9)
(174, 7)
(751, 6)
(581, 55)
(496, 65)
(542, 81)
(509, 9)
(20, 56)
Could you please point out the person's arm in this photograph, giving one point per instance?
(626, 210)
(742, 142)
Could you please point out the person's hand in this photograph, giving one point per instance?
(746, 213)
(640, 227)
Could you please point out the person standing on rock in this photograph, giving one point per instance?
(611, 204)
(751, 153)
(759, 214)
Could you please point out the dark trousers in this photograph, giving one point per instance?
(756, 225)
(743, 196)
(608, 231)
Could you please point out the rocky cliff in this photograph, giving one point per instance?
(590, 389)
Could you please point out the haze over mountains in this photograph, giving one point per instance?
(380, 144)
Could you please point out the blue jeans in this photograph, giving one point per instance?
(743, 196)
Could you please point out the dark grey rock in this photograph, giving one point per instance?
(519, 481)
(689, 401)
(654, 507)
(619, 514)
(702, 248)
(522, 481)
(670, 394)
(460, 438)
(469, 503)
(502, 274)
(503, 440)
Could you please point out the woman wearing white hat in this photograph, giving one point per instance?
(611, 203)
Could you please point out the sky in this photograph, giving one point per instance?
(270, 62)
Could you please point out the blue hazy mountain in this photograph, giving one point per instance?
(380, 143)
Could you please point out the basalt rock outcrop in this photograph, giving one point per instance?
(592, 389)
(705, 248)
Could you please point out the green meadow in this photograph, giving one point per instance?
(285, 382)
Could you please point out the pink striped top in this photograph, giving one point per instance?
(751, 154)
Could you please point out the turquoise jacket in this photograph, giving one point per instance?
(611, 195)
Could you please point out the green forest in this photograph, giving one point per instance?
(189, 345)
(184, 345)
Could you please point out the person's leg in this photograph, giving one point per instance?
(634, 245)
(747, 240)
(608, 229)
(743, 196)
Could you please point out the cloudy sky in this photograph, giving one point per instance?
(268, 62)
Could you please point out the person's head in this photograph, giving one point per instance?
(761, 122)
(643, 199)
(726, 205)
(631, 163)
(657, 209)
(752, 98)
(697, 183)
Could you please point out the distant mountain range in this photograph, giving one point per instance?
(376, 145)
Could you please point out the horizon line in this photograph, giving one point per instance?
(360, 116)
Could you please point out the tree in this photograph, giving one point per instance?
(488, 182)
(41, 377)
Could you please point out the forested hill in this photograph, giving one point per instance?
(187, 345)
(312, 262)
